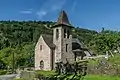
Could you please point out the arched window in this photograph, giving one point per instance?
(68, 33)
(57, 33)
(41, 65)
(66, 47)
(64, 33)
(40, 47)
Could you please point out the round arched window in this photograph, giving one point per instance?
(57, 33)
(41, 65)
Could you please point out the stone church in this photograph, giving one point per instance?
(59, 47)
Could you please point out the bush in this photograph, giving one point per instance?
(2, 72)
(115, 59)
(110, 67)
(39, 73)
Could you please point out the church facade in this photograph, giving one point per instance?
(59, 47)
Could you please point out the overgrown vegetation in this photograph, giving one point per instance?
(2, 72)
(19, 38)
(102, 66)
(106, 42)
(45, 73)
(99, 77)
(51, 75)
(64, 71)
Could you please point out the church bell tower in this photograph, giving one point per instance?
(62, 38)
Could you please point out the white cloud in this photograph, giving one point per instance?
(50, 6)
(41, 13)
(26, 11)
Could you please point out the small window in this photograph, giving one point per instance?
(66, 47)
(64, 33)
(40, 47)
(68, 34)
(57, 33)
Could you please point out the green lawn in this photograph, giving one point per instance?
(97, 77)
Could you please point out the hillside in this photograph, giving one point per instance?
(20, 38)
(16, 33)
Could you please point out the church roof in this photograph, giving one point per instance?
(77, 50)
(78, 47)
(63, 20)
(49, 40)
(77, 43)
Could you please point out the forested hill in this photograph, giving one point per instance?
(15, 33)
(20, 37)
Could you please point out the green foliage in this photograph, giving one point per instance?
(27, 75)
(19, 38)
(45, 73)
(20, 79)
(105, 41)
(52, 75)
(83, 35)
(115, 60)
(102, 66)
(2, 72)
(23, 56)
(93, 62)
(98, 77)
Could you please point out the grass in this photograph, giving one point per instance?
(112, 60)
(98, 77)
(115, 59)
(46, 73)
(94, 77)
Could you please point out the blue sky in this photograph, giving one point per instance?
(90, 14)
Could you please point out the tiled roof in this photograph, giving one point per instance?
(63, 19)
(49, 40)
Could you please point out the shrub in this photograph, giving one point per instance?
(2, 72)
(39, 73)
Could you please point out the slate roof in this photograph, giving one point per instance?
(63, 20)
(76, 46)
(77, 50)
(49, 40)
(75, 42)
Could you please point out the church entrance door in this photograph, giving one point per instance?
(41, 64)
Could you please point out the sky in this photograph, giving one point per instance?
(90, 14)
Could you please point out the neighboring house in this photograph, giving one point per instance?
(59, 47)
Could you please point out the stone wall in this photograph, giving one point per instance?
(43, 54)
(60, 42)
